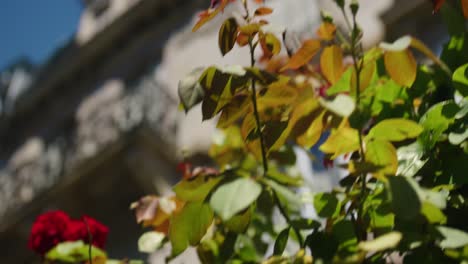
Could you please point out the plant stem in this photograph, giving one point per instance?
(288, 220)
(254, 99)
(358, 65)
(90, 241)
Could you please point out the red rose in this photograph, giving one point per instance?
(98, 231)
(54, 227)
(76, 230)
(47, 231)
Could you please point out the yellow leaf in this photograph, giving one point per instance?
(302, 109)
(278, 93)
(313, 133)
(270, 44)
(326, 31)
(383, 154)
(227, 35)
(305, 53)
(366, 75)
(237, 108)
(248, 125)
(341, 141)
(401, 66)
(250, 29)
(331, 63)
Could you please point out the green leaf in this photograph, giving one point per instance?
(433, 214)
(150, 241)
(74, 252)
(305, 223)
(322, 245)
(395, 129)
(384, 242)
(289, 198)
(343, 84)
(239, 223)
(383, 155)
(342, 105)
(326, 205)
(231, 198)
(460, 80)
(227, 35)
(344, 232)
(190, 91)
(453, 238)
(405, 200)
(281, 241)
(284, 178)
(196, 190)
(188, 226)
(437, 120)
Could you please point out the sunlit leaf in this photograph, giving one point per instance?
(401, 66)
(150, 241)
(286, 196)
(231, 198)
(227, 35)
(278, 93)
(344, 84)
(460, 80)
(342, 105)
(190, 91)
(326, 204)
(305, 53)
(384, 242)
(196, 190)
(341, 141)
(400, 44)
(433, 214)
(383, 154)
(395, 129)
(73, 252)
(313, 133)
(331, 63)
(410, 159)
(250, 29)
(453, 238)
(188, 226)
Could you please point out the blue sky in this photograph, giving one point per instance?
(35, 28)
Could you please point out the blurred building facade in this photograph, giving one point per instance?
(98, 125)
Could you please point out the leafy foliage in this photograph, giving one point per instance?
(404, 148)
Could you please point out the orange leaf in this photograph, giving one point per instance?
(262, 11)
(464, 4)
(331, 63)
(305, 53)
(326, 31)
(209, 14)
(242, 39)
(401, 66)
(437, 4)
